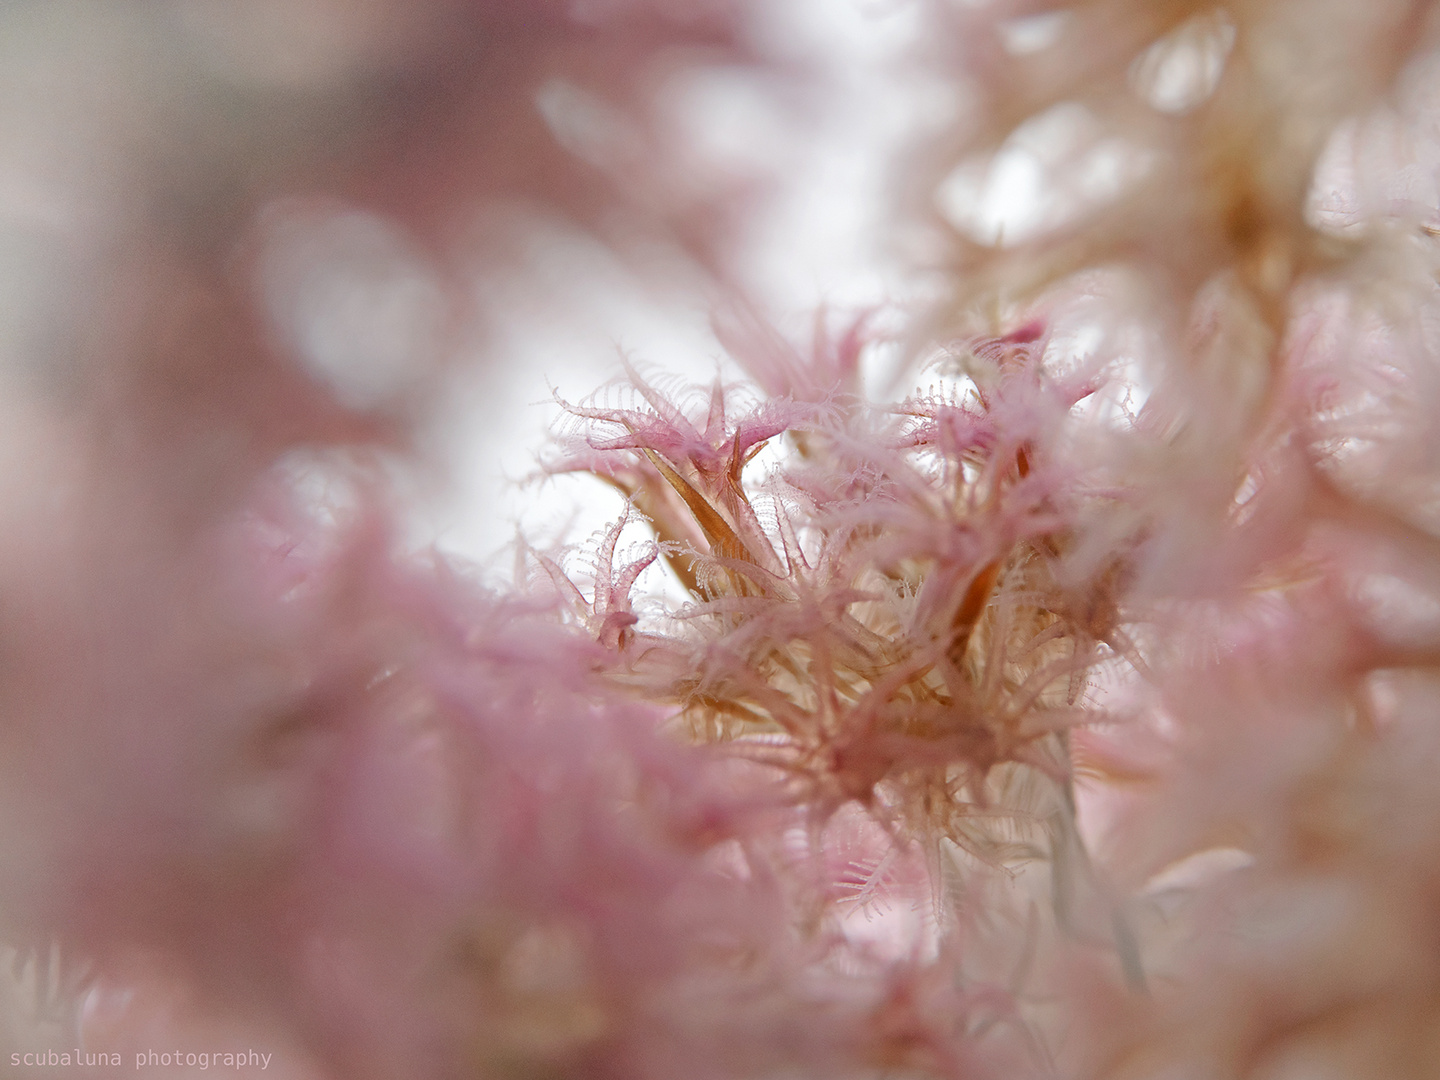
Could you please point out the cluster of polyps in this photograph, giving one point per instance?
(896, 617)
(268, 768)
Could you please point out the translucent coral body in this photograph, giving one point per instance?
(1031, 677)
